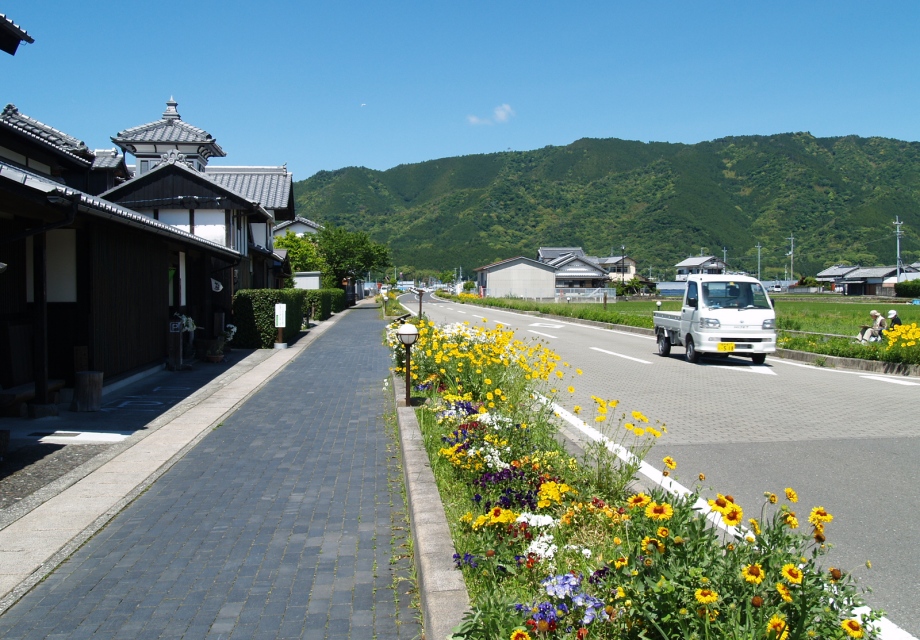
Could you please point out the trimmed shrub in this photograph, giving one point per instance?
(322, 303)
(254, 316)
(907, 289)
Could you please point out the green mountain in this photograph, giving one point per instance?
(838, 198)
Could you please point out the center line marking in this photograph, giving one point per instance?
(542, 334)
(620, 355)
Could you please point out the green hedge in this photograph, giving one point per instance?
(908, 289)
(324, 302)
(254, 316)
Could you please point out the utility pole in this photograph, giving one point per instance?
(897, 232)
(758, 260)
(725, 256)
(791, 239)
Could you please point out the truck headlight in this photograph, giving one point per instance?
(769, 325)
(709, 323)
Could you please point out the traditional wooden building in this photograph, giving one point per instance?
(236, 207)
(87, 283)
(574, 269)
(12, 35)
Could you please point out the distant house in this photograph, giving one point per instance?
(298, 226)
(12, 35)
(835, 275)
(574, 270)
(699, 264)
(871, 281)
(619, 268)
(517, 278)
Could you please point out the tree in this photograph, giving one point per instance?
(303, 252)
(350, 254)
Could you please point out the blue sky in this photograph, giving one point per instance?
(325, 85)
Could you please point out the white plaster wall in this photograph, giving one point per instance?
(521, 280)
(210, 225)
(177, 218)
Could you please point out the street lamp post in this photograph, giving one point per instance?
(407, 333)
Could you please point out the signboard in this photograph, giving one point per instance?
(280, 314)
(175, 327)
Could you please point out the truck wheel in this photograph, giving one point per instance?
(758, 358)
(693, 356)
(664, 345)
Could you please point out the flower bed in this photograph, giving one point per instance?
(557, 547)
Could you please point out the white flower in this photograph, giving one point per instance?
(542, 547)
(536, 520)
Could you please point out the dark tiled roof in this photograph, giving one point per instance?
(547, 254)
(104, 159)
(58, 140)
(170, 128)
(287, 223)
(836, 271)
(269, 186)
(109, 210)
(11, 34)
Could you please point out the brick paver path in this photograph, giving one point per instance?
(281, 523)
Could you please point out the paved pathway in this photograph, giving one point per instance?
(281, 523)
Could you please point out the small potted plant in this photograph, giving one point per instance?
(228, 333)
(216, 350)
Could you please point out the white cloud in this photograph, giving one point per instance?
(500, 115)
(503, 112)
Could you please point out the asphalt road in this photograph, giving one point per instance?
(848, 441)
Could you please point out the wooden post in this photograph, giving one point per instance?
(87, 392)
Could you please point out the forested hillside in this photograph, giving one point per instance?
(837, 196)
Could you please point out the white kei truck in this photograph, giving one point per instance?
(721, 315)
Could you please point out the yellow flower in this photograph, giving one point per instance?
(819, 516)
(571, 389)
(655, 511)
(638, 416)
(784, 592)
(578, 371)
(733, 515)
(663, 532)
(669, 462)
(853, 628)
(639, 500)
(791, 495)
(753, 573)
(706, 596)
(576, 409)
(778, 628)
(620, 562)
(792, 573)
(520, 634)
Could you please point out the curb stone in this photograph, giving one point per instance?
(443, 594)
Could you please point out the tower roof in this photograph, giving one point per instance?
(170, 130)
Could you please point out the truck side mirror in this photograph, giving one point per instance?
(693, 302)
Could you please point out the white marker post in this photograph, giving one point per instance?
(280, 317)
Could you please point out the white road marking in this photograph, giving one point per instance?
(542, 334)
(620, 355)
(906, 383)
(761, 370)
(548, 326)
(861, 374)
(886, 629)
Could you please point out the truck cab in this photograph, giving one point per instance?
(720, 314)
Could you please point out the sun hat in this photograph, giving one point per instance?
(892, 313)
(873, 313)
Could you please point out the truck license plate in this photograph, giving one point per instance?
(725, 346)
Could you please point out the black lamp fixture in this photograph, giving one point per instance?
(407, 334)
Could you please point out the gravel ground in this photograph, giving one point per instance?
(27, 469)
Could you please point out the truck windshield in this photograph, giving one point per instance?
(734, 295)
